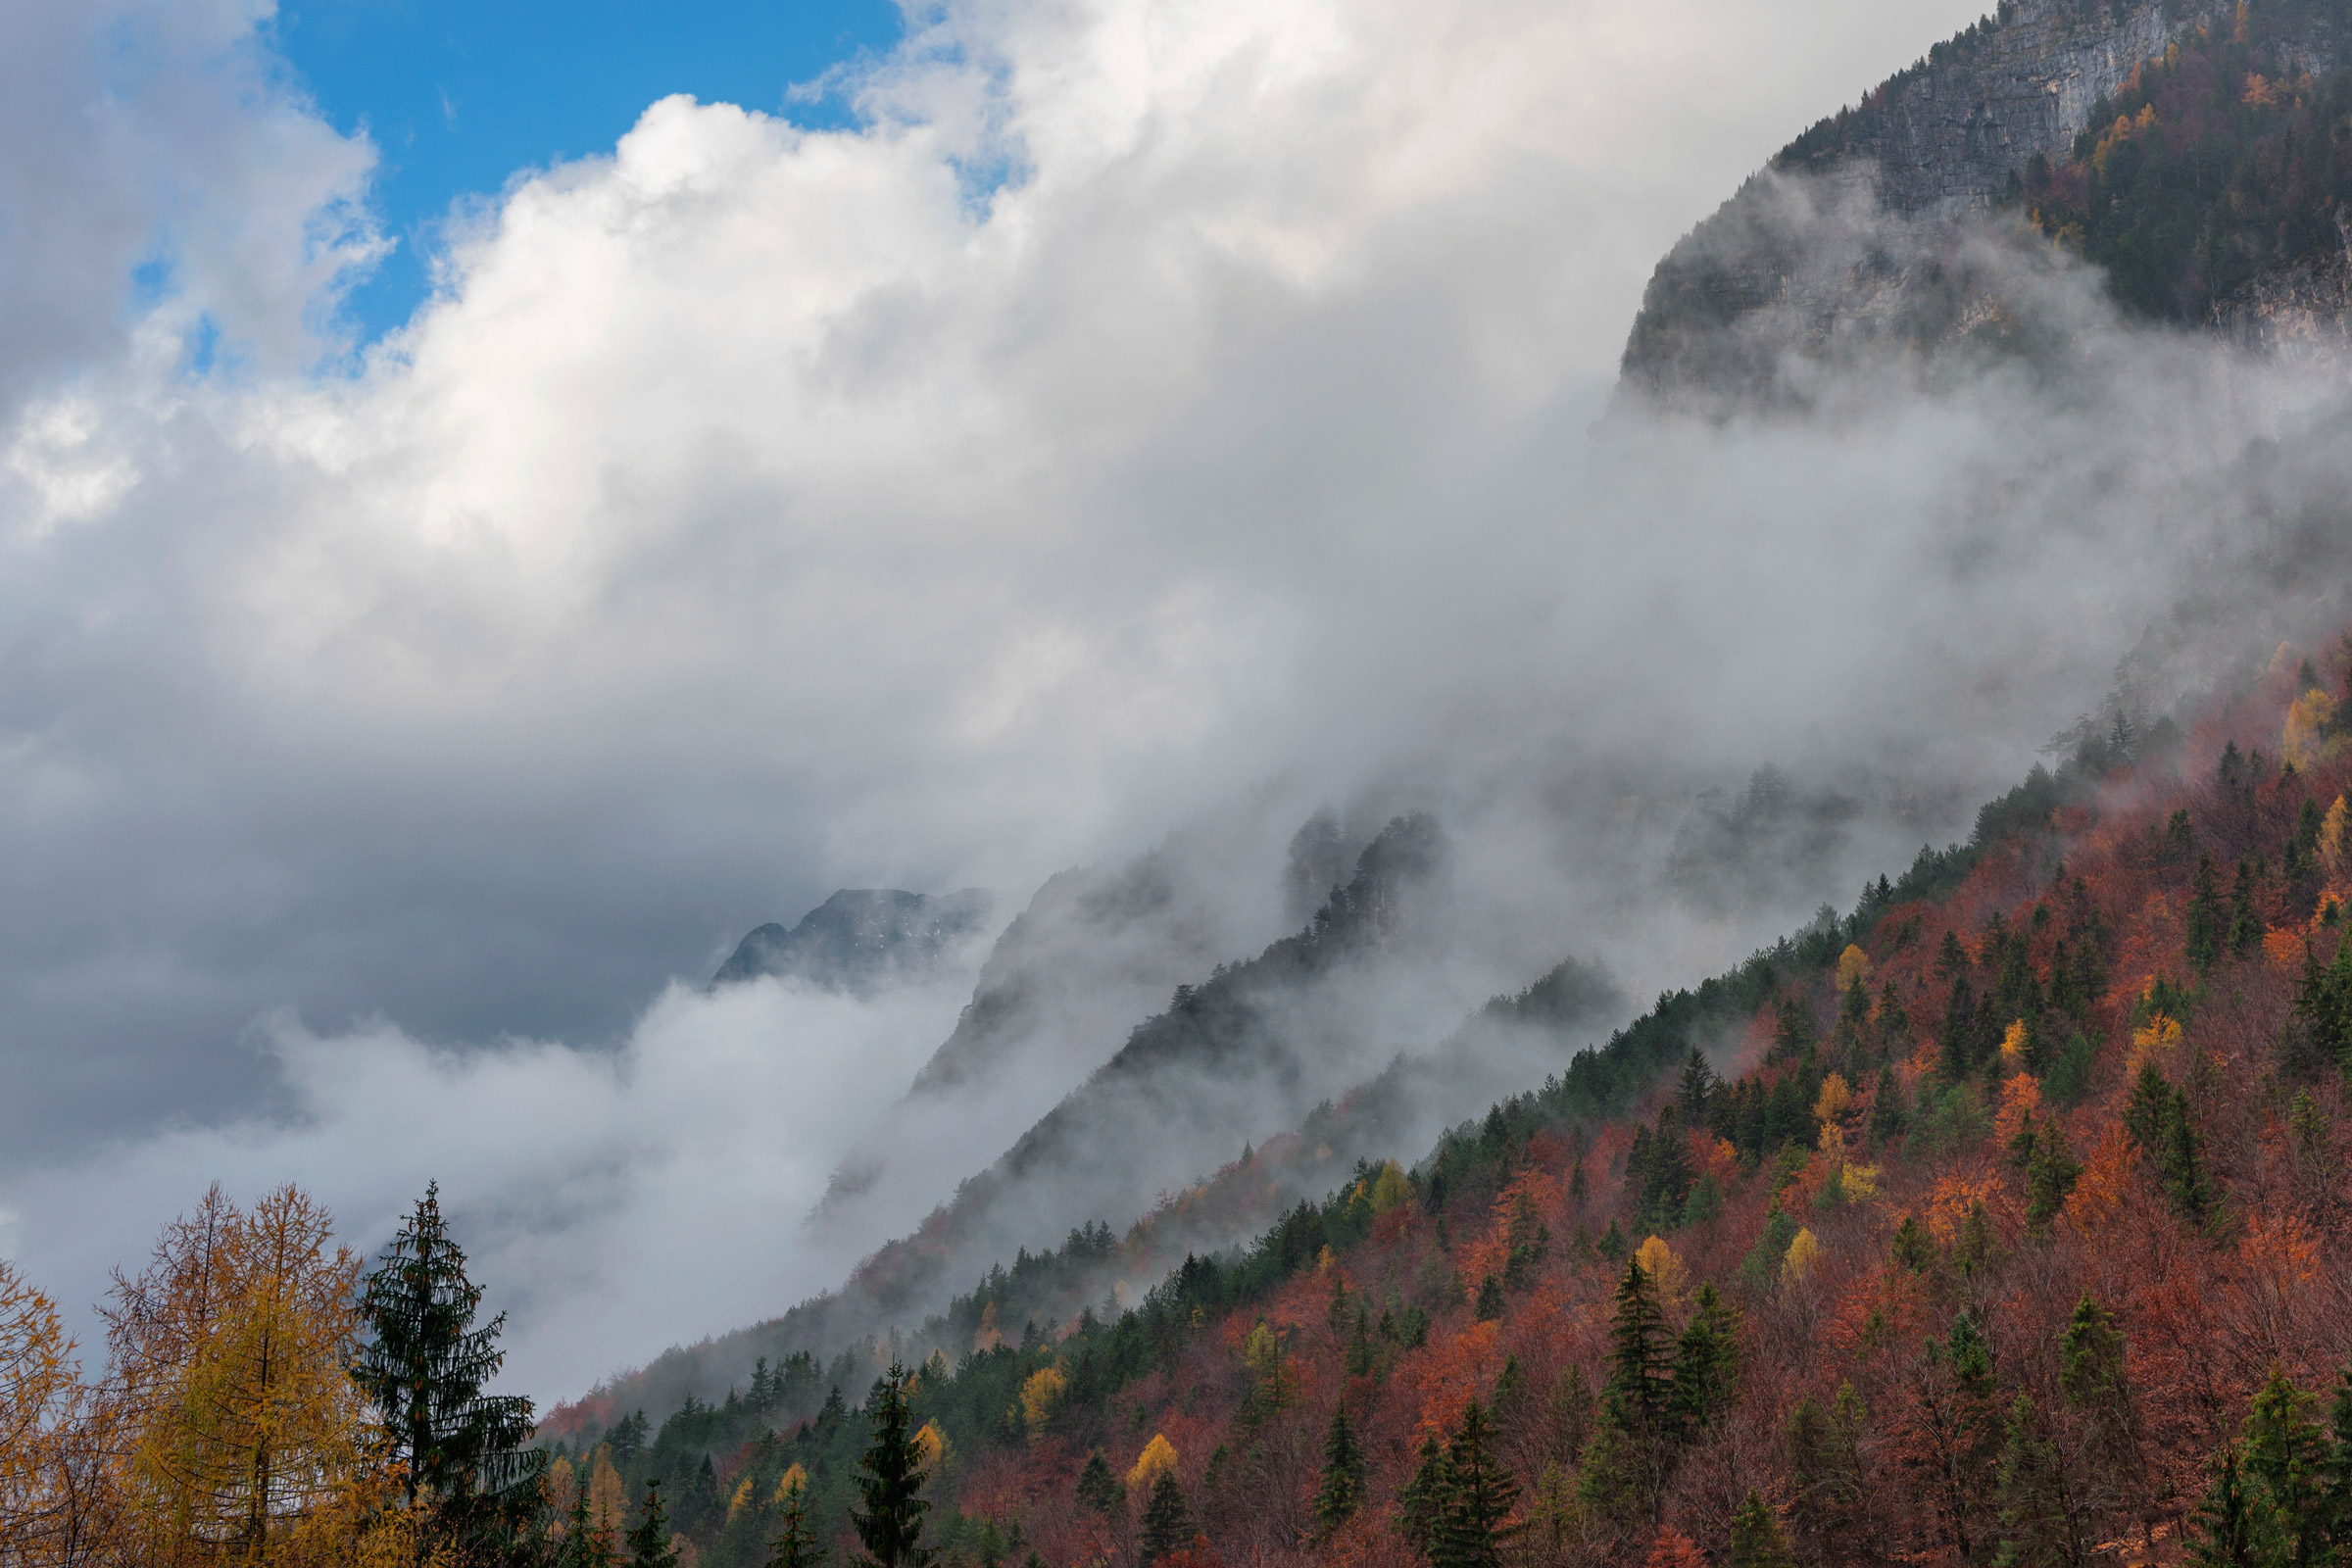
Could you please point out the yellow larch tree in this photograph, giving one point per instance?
(1803, 1254)
(1665, 1270)
(1158, 1459)
(1040, 1397)
(245, 1440)
(56, 1494)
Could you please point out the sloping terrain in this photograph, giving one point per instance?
(2009, 1219)
(2189, 151)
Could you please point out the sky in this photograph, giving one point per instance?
(457, 99)
(1077, 417)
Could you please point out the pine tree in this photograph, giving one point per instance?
(1167, 1523)
(1697, 1086)
(1490, 1299)
(2232, 1527)
(890, 1525)
(2208, 926)
(2246, 920)
(649, 1538)
(2283, 1456)
(2041, 1525)
(1757, 1538)
(1469, 1530)
(1098, 1487)
(1639, 1385)
(2147, 1110)
(1706, 1363)
(2181, 1161)
(1424, 1497)
(2051, 1171)
(795, 1545)
(1342, 1490)
(1825, 1469)
(1886, 1117)
(423, 1367)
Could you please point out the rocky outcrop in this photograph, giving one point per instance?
(1871, 226)
(861, 939)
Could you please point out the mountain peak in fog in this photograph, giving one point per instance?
(861, 939)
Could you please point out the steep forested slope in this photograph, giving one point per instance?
(2194, 152)
(2013, 1223)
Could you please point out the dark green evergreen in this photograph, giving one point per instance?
(1340, 1491)
(650, 1537)
(423, 1364)
(1167, 1524)
(890, 1520)
(1469, 1531)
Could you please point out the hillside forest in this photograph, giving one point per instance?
(2000, 1221)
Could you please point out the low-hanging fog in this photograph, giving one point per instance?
(1156, 420)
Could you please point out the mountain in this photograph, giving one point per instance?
(1097, 950)
(861, 939)
(2194, 152)
(1997, 1219)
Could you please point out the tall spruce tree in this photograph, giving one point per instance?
(795, 1545)
(1469, 1531)
(472, 1484)
(1424, 1496)
(890, 1524)
(650, 1535)
(1707, 1364)
(2041, 1525)
(1167, 1522)
(1340, 1491)
(2208, 924)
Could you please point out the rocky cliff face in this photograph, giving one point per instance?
(861, 939)
(1887, 220)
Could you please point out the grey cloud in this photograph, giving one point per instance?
(760, 513)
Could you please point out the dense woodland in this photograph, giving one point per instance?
(2225, 160)
(2001, 1220)
(2010, 1229)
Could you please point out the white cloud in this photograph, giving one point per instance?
(601, 1196)
(1150, 398)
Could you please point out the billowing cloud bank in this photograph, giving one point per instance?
(1150, 400)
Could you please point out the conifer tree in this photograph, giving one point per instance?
(423, 1367)
(1706, 1363)
(1469, 1530)
(1167, 1524)
(795, 1545)
(890, 1524)
(2246, 920)
(1887, 1116)
(1342, 1490)
(2145, 1112)
(1696, 1089)
(649, 1537)
(2208, 925)
(1757, 1538)
(1424, 1497)
(2233, 1528)
(2040, 1522)
(2284, 1457)
(2181, 1163)
(1098, 1487)
(1639, 1386)
(1490, 1299)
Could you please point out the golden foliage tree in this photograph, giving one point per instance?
(55, 1491)
(243, 1440)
